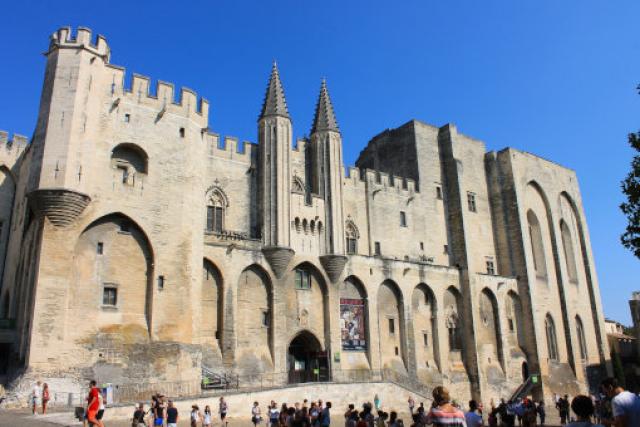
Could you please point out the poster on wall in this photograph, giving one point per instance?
(352, 324)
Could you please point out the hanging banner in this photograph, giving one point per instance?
(352, 318)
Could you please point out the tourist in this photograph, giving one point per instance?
(583, 407)
(93, 405)
(223, 409)
(528, 413)
(492, 419)
(562, 405)
(376, 402)
(381, 420)
(158, 411)
(625, 406)
(473, 418)
(541, 412)
(172, 415)
(45, 397)
(393, 419)
(284, 414)
(348, 420)
(314, 414)
(443, 413)
(206, 419)
(36, 397)
(274, 415)
(196, 416)
(325, 415)
(138, 416)
(412, 404)
(256, 417)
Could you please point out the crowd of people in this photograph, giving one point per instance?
(614, 407)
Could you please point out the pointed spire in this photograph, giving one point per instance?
(325, 118)
(274, 103)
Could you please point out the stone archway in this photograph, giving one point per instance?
(306, 360)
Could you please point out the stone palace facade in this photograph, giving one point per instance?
(139, 246)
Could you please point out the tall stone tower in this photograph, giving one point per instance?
(326, 145)
(66, 121)
(274, 140)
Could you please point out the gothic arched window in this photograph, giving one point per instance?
(216, 207)
(552, 342)
(297, 186)
(581, 338)
(352, 236)
(453, 326)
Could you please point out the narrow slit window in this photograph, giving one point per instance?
(181, 132)
(377, 248)
(403, 219)
(392, 326)
(160, 282)
(100, 248)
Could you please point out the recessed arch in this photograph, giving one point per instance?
(7, 201)
(514, 316)
(114, 269)
(425, 324)
(454, 320)
(131, 160)
(212, 304)
(582, 340)
(489, 328)
(552, 339)
(568, 251)
(255, 318)
(354, 315)
(391, 325)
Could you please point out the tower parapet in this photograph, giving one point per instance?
(64, 38)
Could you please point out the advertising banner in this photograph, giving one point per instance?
(352, 323)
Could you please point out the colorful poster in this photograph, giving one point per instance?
(352, 324)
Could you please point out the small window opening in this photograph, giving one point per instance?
(392, 326)
(265, 318)
(100, 248)
(439, 192)
(491, 269)
(425, 339)
(511, 325)
(303, 279)
(160, 282)
(446, 249)
(127, 118)
(110, 296)
(422, 246)
(403, 219)
(397, 351)
(377, 248)
(181, 132)
(471, 201)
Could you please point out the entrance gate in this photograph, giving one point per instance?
(306, 360)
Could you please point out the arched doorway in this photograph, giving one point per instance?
(306, 360)
(525, 371)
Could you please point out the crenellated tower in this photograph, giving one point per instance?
(326, 146)
(274, 140)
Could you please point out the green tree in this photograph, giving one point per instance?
(631, 208)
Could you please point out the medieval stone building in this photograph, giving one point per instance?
(137, 246)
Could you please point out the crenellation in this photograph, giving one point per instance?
(301, 145)
(64, 38)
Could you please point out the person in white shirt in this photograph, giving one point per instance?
(473, 418)
(36, 397)
(624, 405)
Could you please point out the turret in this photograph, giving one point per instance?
(274, 139)
(65, 124)
(326, 145)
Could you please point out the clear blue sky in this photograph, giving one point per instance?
(556, 78)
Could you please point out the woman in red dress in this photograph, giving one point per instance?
(94, 405)
(45, 397)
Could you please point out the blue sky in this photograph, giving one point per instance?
(556, 78)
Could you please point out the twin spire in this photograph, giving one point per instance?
(275, 104)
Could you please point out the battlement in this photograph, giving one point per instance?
(380, 179)
(230, 147)
(11, 148)
(301, 145)
(64, 38)
(163, 98)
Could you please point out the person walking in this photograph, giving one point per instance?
(256, 415)
(583, 407)
(376, 402)
(93, 404)
(562, 405)
(625, 406)
(36, 397)
(45, 397)
(138, 416)
(223, 409)
(412, 404)
(206, 419)
(541, 412)
(325, 415)
(274, 414)
(443, 413)
(196, 416)
(172, 415)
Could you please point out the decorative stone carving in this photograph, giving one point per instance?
(60, 205)
(333, 265)
(278, 258)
